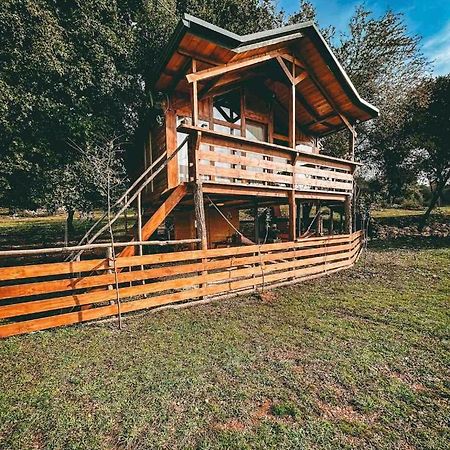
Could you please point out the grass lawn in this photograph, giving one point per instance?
(48, 231)
(398, 212)
(359, 359)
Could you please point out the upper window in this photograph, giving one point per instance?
(227, 107)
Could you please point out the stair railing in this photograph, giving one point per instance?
(128, 197)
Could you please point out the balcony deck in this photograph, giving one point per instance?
(226, 163)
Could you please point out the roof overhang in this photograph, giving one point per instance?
(216, 46)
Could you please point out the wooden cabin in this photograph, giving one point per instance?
(245, 116)
(233, 164)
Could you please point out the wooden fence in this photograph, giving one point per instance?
(41, 296)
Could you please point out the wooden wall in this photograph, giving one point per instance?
(218, 230)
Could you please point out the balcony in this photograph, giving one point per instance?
(236, 163)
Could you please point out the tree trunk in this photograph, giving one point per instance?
(69, 223)
(434, 199)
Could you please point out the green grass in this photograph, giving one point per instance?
(399, 212)
(359, 359)
(47, 231)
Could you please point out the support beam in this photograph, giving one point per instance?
(285, 69)
(194, 96)
(293, 117)
(299, 218)
(219, 70)
(348, 214)
(292, 216)
(351, 143)
(331, 225)
(157, 218)
(199, 210)
(256, 222)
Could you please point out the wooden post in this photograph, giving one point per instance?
(139, 222)
(331, 226)
(256, 222)
(293, 106)
(299, 218)
(292, 216)
(109, 257)
(348, 214)
(194, 96)
(125, 215)
(351, 143)
(199, 210)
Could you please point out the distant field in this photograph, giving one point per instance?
(398, 212)
(48, 231)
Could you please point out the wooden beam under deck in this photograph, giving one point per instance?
(257, 191)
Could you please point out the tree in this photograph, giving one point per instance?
(429, 126)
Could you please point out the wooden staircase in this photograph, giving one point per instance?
(134, 195)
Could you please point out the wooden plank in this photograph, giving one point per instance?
(158, 217)
(228, 67)
(44, 323)
(38, 270)
(42, 287)
(323, 173)
(247, 160)
(94, 313)
(244, 174)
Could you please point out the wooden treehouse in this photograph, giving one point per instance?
(244, 116)
(233, 172)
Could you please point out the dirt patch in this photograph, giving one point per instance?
(267, 296)
(344, 412)
(231, 425)
(263, 411)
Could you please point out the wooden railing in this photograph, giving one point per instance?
(233, 160)
(41, 296)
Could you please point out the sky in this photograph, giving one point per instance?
(427, 18)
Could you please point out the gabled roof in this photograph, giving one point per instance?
(319, 95)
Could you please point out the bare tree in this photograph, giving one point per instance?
(102, 164)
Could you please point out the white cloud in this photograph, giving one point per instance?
(437, 48)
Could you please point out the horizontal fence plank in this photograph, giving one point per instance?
(243, 174)
(41, 287)
(246, 161)
(49, 269)
(323, 173)
(23, 308)
(247, 267)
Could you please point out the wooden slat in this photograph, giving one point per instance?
(244, 174)
(316, 182)
(247, 160)
(323, 173)
(228, 282)
(38, 270)
(42, 287)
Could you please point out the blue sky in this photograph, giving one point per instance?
(428, 18)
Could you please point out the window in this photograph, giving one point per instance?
(256, 131)
(227, 113)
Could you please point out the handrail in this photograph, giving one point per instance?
(50, 250)
(189, 129)
(132, 197)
